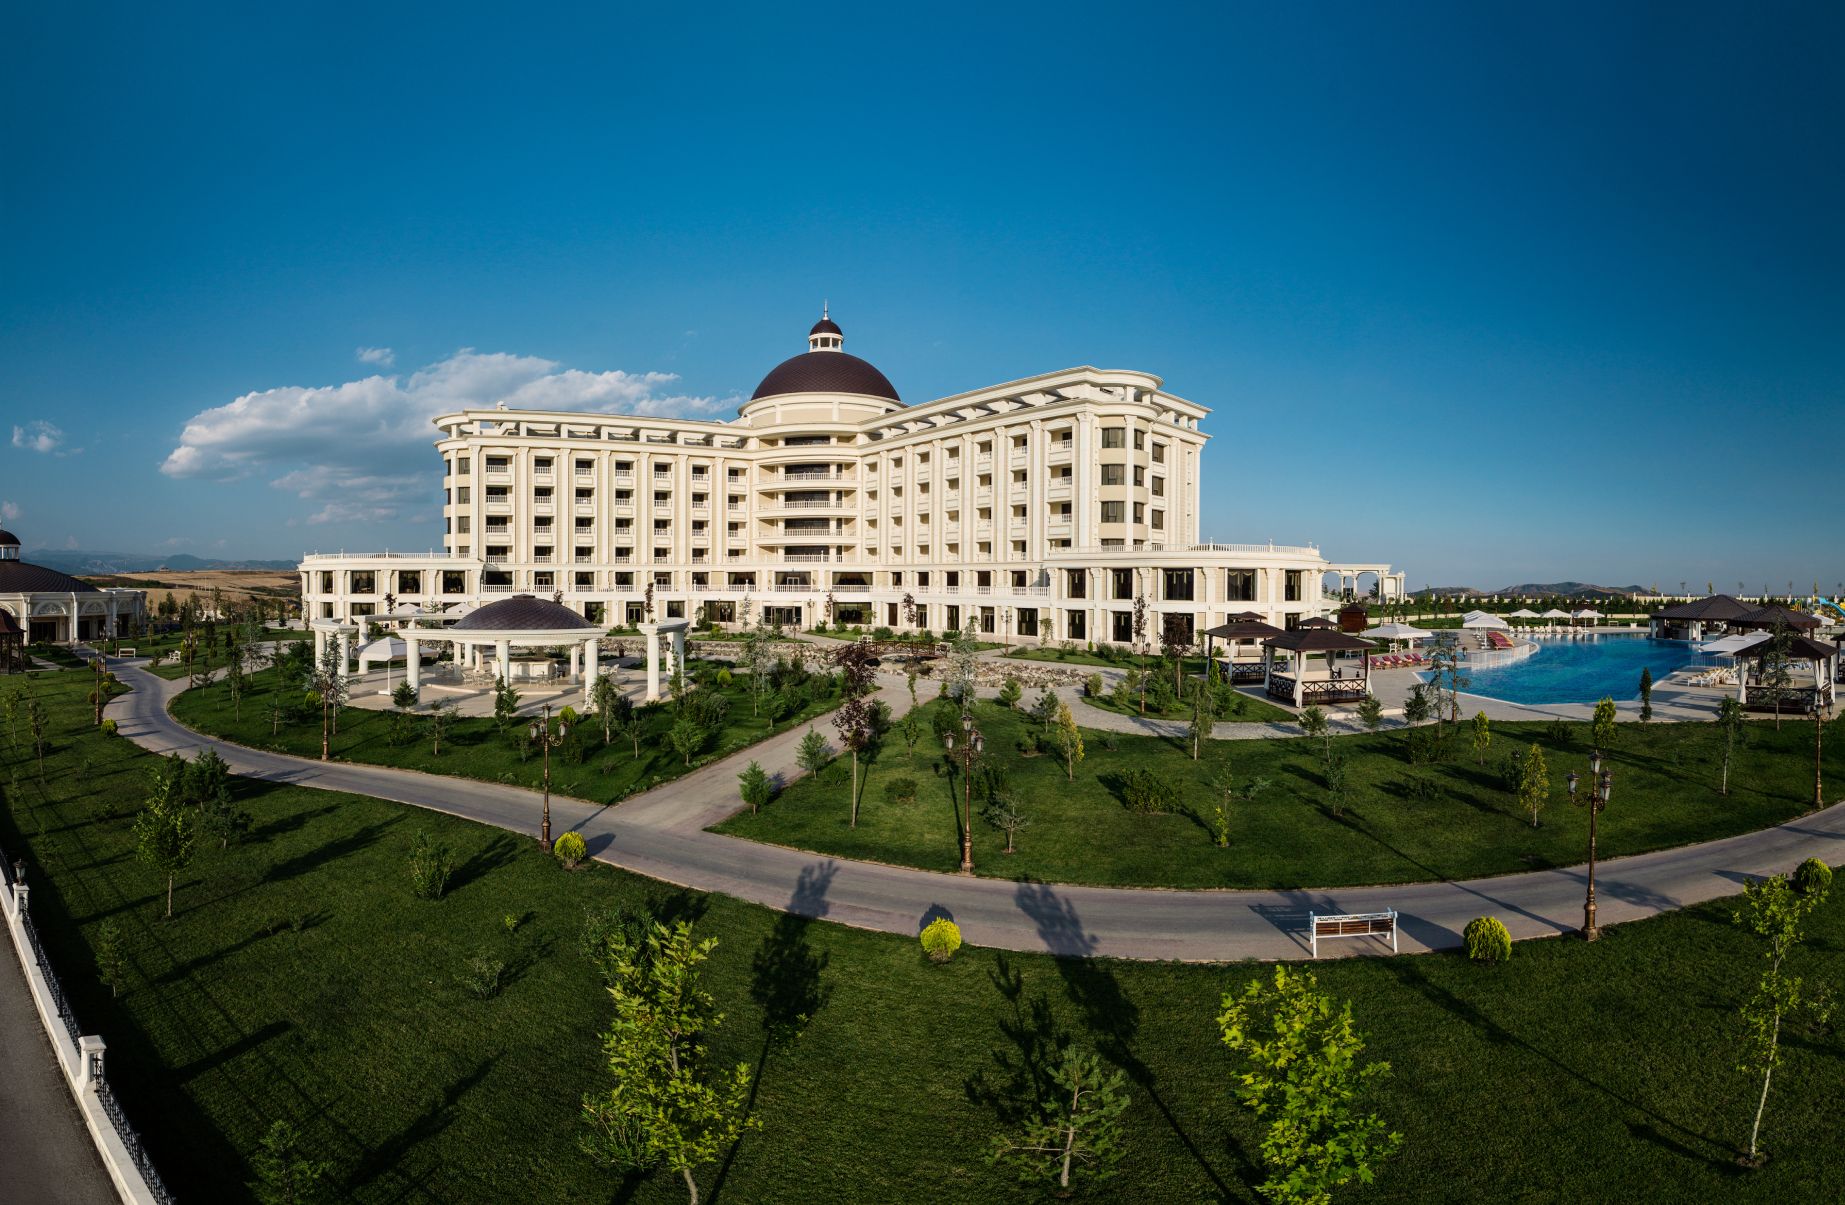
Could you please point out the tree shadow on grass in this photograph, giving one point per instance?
(334, 850)
(389, 1155)
(497, 852)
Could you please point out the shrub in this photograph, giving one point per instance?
(1146, 793)
(1487, 939)
(881, 633)
(108, 728)
(1010, 692)
(724, 677)
(430, 866)
(481, 975)
(570, 849)
(1092, 686)
(1812, 877)
(900, 790)
(941, 937)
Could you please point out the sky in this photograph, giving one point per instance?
(1492, 293)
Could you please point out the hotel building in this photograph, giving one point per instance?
(1037, 509)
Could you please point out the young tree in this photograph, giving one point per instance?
(1068, 740)
(1533, 783)
(208, 787)
(441, 715)
(1010, 692)
(1482, 736)
(327, 681)
(629, 724)
(910, 728)
(1646, 694)
(687, 736)
(163, 831)
(1776, 670)
(1338, 783)
(1306, 1077)
(1004, 812)
(1601, 728)
(1773, 910)
(1820, 720)
(1732, 722)
(1417, 706)
(758, 659)
(403, 723)
(962, 653)
(1370, 712)
(1226, 792)
(1074, 1128)
(1175, 643)
(283, 1175)
(755, 786)
(1204, 718)
(38, 725)
(111, 960)
(505, 705)
(1313, 723)
(666, 1107)
(813, 753)
(605, 696)
(858, 677)
(1140, 621)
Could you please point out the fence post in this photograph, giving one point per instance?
(20, 893)
(90, 1061)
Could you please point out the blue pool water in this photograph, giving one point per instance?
(1582, 671)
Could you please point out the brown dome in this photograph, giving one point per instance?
(825, 372)
(523, 613)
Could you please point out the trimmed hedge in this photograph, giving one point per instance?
(1487, 939)
(570, 849)
(940, 939)
(1812, 877)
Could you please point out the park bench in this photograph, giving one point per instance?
(126, 652)
(1353, 924)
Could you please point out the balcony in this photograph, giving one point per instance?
(625, 479)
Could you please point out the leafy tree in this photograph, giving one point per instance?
(1370, 712)
(283, 1175)
(813, 753)
(910, 728)
(1204, 718)
(164, 834)
(403, 723)
(1044, 708)
(1074, 1128)
(754, 785)
(208, 787)
(1646, 694)
(667, 1108)
(1773, 910)
(1306, 1077)
(1601, 727)
(1533, 783)
(606, 697)
(1067, 738)
(1175, 643)
(628, 723)
(758, 659)
(1417, 706)
(111, 960)
(1776, 671)
(327, 682)
(962, 655)
(687, 736)
(1226, 792)
(857, 723)
(430, 867)
(1004, 812)
(38, 724)
(441, 716)
(505, 705)
(1338, 783)
(1482, 736)
(1313, 723)
(1732, 723)
(1819, 738)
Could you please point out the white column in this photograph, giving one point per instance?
(413, 658)
(592, 670)
(653, 665)
(504, 649)
(678, 650)
(576, 665)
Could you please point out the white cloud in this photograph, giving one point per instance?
(9, 511)
(376, 355)
(38, 436)
(362, 450)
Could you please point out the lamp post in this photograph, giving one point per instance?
(972, 744)
(547, 740)
(1601, 789)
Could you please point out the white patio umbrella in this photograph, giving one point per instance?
(1394, 632)
(1523, 613)
(1729, 646)
(1587, 613)
(1553, 613)
(1480, 619)
(386, 649)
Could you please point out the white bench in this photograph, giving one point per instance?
(1352, 924)
(125, 652)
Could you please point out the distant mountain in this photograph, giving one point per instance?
(1570, 590)
(77, 561)
(1443, 591)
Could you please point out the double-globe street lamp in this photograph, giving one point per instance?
(546, 739)
(1601, 789)
(972, 744)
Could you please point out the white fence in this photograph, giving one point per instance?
(80, 1057)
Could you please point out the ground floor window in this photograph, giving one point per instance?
(782, 617)
(634, 613)
(953, 622)
(922, 616)
(986, 619)
(850, 613)
(675, 608)
(1124, 627)
(594, 612)
(1028, 621)
(1075, 628)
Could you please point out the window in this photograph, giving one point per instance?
(1123, 626)
(1075, 625)
(1177, 584)
(1140, 475)
(586, 494)
(1123, 582)
(662, 497)
(462, 464)
(1159, 521)
(1028, 621)
(1113, 512)
(364, 582)
(1140, 441)
(1114, 437)
(662, 524)
(541, 493)
(1240, 585)
(1140, 512)
(1114, 474)
(541, 464)
(1077, 583)
(464, 494)
(462, 523)
(1294, 585)
(1159, 487)
(1159, 453)
(543, 523)
(584, 523)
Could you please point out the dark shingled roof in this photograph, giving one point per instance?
(825, 372)
(1718, 608)
(8, 625)
(523, 613)
(1318, 640)
(1244, 629)
(1799, 648)
(17, 577)
(826, 326)
(7, 537)
(1767, 617)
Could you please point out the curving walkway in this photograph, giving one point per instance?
(660, 834)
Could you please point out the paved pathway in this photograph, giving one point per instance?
(660, 834)
(46, 1154)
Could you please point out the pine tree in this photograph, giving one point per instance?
(1074, 1129)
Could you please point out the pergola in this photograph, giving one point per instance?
(1341, 678)
(519, 622)
(1821, 656)
(1245, 628)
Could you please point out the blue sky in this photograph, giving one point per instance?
(1493, 294)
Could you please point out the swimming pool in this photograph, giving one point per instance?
(1584, 670)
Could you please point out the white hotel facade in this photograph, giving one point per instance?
(1033, 510)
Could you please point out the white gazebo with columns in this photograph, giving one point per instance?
(519, 622)
(674, 628)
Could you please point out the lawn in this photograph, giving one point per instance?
(1254, 710)
(168, 645)
(301, 980)
(1403, 823)
(474, 748)
(57, 655)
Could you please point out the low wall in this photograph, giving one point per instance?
(80, 1056)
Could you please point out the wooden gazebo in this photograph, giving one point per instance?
(1246, 628)
(1799, 695)
(1341, 678)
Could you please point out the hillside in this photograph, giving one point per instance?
(81, 562)
(234, 585)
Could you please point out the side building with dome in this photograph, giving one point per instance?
(1034, 510)
(48, 606)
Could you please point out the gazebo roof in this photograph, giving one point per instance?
(523, 613)
(1317, 623)
(1318, 640)
(1800, 648)
(1768, 616)
(8, 625)
(1243, 629)
(1717, 607)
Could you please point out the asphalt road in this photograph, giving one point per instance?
(660, 834)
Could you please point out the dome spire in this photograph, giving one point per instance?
(826, 335)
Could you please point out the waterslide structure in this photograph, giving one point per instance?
(1820, 606)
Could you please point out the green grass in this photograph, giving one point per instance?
(1255, 711)
(1404, 823)
(169, 644)
(57, 655)
(1574, 1072)
(474, 748)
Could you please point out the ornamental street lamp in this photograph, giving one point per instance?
(546, 739)
(1601, 789)
(972, 744)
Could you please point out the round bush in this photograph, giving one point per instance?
(1092, 686)
(940, 939)
(1487, 939)
(108, 727)
(1812, 877)
(570, 850)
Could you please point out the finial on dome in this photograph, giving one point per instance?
(826, 335)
